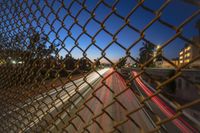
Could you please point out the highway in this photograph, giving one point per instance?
(110, 106)
(116, 114)
(33, 111)
(99, 103)
(180, 123)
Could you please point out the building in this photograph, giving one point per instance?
(160, 62)
(189, 53)
(185, 55)
(175, 61)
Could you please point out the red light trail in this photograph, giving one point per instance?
(179, 122)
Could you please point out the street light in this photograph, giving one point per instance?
(13, 62)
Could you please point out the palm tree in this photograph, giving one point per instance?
(97, 62)
(146, 52)
(122, 62)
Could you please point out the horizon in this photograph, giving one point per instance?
(80, 43)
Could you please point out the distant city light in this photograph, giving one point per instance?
(157, 47)
(13, 62)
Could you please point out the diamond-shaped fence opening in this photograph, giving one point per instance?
(99, 66)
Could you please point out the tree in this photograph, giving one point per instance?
(84, 64)
(70, 62)
(37, 45)
(97, 62)
(121, 62)
(146, 52)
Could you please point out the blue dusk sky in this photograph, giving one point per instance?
(175, 13)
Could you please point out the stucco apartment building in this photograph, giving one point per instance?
(189, 53)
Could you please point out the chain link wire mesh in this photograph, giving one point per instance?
(45, 88)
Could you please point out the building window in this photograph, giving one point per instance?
(185, 55)
(188, 48)
(188, 54)
(187, 60)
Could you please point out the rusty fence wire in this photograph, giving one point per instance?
(56, 76)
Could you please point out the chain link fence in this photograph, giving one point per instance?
(94, 66)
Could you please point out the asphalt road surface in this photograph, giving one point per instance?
(109, 109)
(34, 112)
(176, 125)
(98, 104)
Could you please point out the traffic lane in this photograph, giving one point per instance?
(35, 112)
(101, 122)
(46, 101)
(90, 78)
(154, 112)
(140, 122)
(73, 100)
(62, 94)
(65, 116)
(51, 108)
(65, 88)
(79, 89)
(179, 122)
(28, 107)
(186, 114)
(91, 108)
(49, 105)
(97, 118)
(115, 113)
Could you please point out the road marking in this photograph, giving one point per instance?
(59, 102)
(44, 95)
